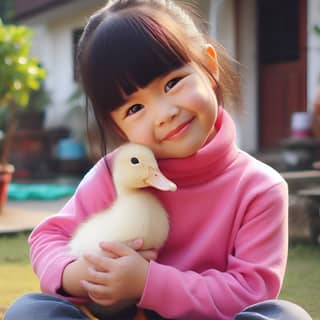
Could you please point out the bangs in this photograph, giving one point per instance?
(127, 52)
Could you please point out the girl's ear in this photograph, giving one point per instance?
(211, 60)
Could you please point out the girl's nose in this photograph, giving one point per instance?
(166, 113)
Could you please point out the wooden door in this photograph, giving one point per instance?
(282, 67)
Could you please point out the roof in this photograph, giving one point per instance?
(25, 9)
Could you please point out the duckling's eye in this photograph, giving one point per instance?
(134, 160)
(170, 84)
(134, 109)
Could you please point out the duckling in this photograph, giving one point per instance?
(136, 213)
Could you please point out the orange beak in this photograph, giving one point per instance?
(157, 180)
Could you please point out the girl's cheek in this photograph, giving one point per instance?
(139, 135)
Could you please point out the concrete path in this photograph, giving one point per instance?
(20, 216)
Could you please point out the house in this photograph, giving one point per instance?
(274, 41)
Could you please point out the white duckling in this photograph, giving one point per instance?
(136, 213)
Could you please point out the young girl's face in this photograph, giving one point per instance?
(174, 115)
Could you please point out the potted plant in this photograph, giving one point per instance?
(20, 74)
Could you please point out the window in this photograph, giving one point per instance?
(278, 30)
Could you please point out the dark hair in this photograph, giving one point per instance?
(128, 43)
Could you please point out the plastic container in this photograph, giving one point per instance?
(70, 149)
(301, 124)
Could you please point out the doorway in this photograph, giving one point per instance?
(281, 67)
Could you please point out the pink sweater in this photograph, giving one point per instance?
(227, 246)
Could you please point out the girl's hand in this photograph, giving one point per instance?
(150, 254)
(114, 279)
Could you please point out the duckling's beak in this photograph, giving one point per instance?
(157, 180)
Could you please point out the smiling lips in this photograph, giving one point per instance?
(178, 131)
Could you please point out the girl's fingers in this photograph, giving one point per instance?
(99, 294)
(97, 277)
(95, 290)
(118, 248)
(100, 263)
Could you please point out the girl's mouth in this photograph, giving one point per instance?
(178, 131)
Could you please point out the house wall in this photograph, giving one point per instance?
(224, 29)
(313, 51)
(247, 56)
(222, 24)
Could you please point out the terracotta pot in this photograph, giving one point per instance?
(6, 172)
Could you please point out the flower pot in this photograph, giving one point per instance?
(6, 172)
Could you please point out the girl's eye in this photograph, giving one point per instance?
(170, 84)
(134, 109)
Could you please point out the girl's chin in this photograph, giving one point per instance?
(179, 150)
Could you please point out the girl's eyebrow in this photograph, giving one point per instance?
(178, 71)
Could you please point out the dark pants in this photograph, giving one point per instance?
(36, 306)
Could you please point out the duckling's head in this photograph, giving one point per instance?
(135, 166)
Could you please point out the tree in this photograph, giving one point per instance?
(20, 74)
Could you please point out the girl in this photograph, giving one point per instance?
(151, 75)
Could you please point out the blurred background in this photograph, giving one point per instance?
(276, 42)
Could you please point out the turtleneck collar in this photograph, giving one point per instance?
(209, 161)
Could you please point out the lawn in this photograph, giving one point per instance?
(302, 282)
(16, 274)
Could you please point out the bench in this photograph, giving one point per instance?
(298, 180)
(306, 184)
(313, 193)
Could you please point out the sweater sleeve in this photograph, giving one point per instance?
(49, 240)
(254, 272)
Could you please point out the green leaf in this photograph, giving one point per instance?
(20, 72)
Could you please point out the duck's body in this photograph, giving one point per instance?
(136, 213)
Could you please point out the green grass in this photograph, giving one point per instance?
(16, 277)
(14, 248)
(301, 285)
(302, 281)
